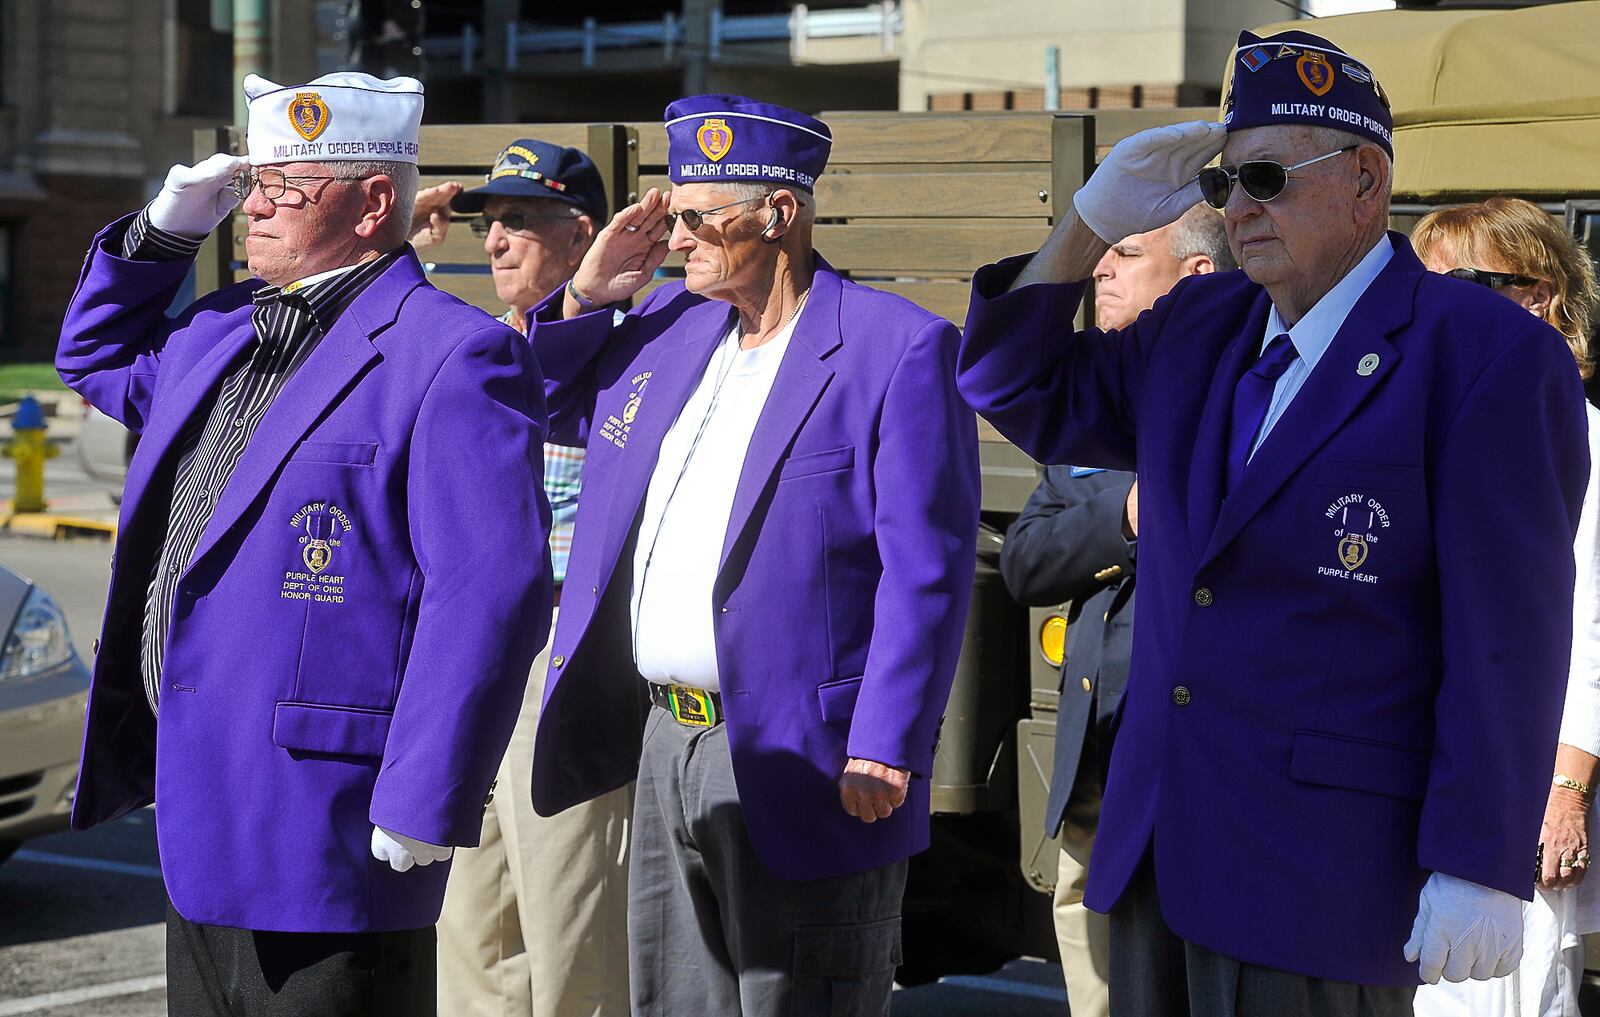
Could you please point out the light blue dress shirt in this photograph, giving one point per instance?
(1313, 334)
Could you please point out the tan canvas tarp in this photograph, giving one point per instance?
(1484, 102)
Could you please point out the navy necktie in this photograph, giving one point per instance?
(1251, 399)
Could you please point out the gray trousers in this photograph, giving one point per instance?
(1155, 972)
(712, 932)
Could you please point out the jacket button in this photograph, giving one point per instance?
(1203, 597)
(557, 660)
(1088, 686)
(1181, 696)
(1108, 573)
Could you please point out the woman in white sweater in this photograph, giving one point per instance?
(1518, 250)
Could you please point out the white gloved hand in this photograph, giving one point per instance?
(402, 852)
(1147, 180)
(195, 199)
(1464, 930)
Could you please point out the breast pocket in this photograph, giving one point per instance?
(339, 453)
(1371, 476)
(339, 533)
(1369, 524)
(834, 460)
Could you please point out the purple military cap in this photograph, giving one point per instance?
(1299, 78)
(730, 138)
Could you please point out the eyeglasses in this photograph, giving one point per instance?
(514, 222)
(274, 183)
(1493, 280)
(694, 218)
(1262, 179)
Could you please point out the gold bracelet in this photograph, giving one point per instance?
(1562, 780)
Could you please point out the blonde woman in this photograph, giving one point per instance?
(1514, 248)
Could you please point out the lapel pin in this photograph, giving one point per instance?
(1368, 364)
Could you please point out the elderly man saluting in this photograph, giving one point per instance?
(330, 576)
(535, 919)
(1338, 726)
(774, 547)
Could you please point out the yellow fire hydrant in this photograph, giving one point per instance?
(29, 449)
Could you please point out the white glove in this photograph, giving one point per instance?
(195, 199)
(1147, 179)
(1464, 930)
(401, 852)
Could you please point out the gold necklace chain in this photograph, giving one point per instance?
(801, 302)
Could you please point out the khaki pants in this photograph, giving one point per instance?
(1083, 936)
(535, 917)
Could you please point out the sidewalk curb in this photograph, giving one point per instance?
(49, 526)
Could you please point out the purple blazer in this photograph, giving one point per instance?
(1349, 672)
(291, 724)
(845, 575)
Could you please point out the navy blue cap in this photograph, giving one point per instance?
(528, 168)
(1299, 78)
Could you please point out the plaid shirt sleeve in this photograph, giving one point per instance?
(563, 479)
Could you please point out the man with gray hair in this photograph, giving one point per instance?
(1077, 540)
(330, 577)
(779, 701)
(1321, 790)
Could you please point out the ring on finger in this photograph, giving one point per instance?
(631, 228)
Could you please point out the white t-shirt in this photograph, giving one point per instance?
(686, 511)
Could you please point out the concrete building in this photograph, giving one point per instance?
(1130, 53)
(97, 99)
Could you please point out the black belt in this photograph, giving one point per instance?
(690, 706)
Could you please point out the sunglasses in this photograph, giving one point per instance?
(1262, 179)
(694, 218)
(274, 183)
(1493, 280)
(514, 222)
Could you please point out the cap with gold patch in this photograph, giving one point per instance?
(1298, 78)
(730, 138)
(530, 168)
(345, 116)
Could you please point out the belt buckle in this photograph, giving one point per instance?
(692, 706)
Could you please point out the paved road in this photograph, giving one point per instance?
(81, 929)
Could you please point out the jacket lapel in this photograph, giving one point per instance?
(181, 401)
(678, 368)
(1209, 464)
(801, 379)
(338, 360)
(1330, 396)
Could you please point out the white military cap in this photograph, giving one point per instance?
(345, 116)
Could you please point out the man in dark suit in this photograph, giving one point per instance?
(1076, 540)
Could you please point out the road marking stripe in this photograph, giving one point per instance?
(988, 984)
(94, 864)
(67, 997)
